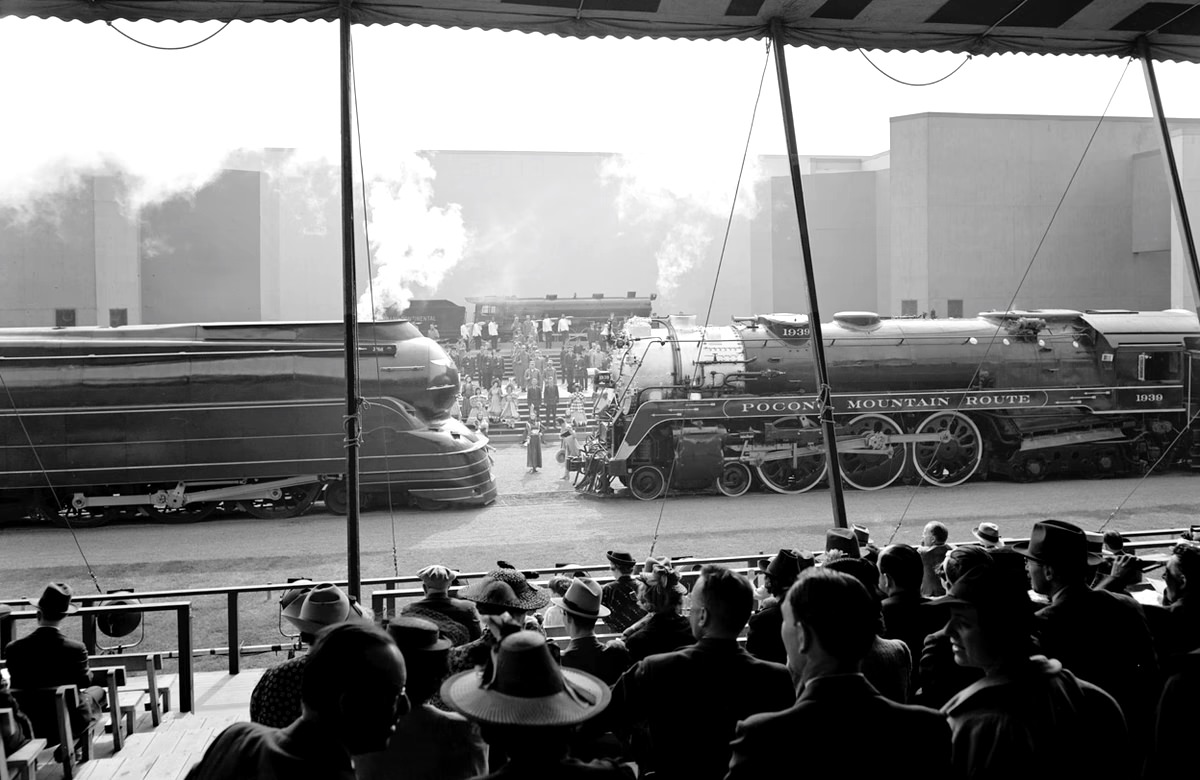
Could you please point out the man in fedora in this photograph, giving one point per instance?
(582, 608)
(1100, 636)
(839, 725)
(528, 708)
(690, 700)
(46, 658)
(620, 595)
(762, 635)
(1027, 716)
(988, 535)
(429, 743)
(275, 700)
(352, 695)
(439, 607)
(841, 543)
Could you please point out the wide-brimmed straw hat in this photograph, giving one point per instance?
(526, 596)
(527, 688)
(583, 599)
(320, 606)
(55, 601)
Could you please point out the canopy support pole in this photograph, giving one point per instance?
(834, 472)
(350, 314)
(1181, 214)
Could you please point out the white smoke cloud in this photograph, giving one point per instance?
(691, 192)
(414, 243)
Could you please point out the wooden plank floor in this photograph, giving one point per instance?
(168, 751)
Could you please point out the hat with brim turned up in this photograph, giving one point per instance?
(527, 688)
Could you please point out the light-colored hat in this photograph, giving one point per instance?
(437, 576)
(527, 688)
(323, 605)
(987, 532)
(583, 599)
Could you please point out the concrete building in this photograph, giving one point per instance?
(963, 213)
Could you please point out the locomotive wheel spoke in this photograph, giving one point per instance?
(955, 459)
(294, 502)
(189, 513)
(883, 464)
(782, 476)
(735, 479)
(647, 483)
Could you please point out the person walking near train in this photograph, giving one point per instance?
(533, 443)
(569, 447)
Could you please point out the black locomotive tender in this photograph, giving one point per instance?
(175, 421)
(1018, 394)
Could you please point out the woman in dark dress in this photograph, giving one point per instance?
(660, 593)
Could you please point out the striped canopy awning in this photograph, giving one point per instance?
(1108, 27)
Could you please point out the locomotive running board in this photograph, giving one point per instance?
(173, 499)
(1066, 439)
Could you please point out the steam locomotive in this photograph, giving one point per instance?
(1017, 394)
(175, 421)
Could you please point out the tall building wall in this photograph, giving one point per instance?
(48, 259)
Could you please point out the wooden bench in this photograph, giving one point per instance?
(23, 763)
(64, 699)
(154, 697)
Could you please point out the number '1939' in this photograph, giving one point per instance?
(1148, 398)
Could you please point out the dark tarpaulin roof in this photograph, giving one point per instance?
(977, 26)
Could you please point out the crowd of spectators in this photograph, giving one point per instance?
(1035, 661)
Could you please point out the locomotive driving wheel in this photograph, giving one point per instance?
(735, 479)
(793, 475)
(292, 502)
(956, 456)
(875, 463)
(336, 499)
(647, 483)
(188, 513)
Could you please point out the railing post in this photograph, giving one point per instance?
(377, 605)
(183, 638)
(235, 644)
(89, 633)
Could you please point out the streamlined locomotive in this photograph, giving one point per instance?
(1019, 394)
(176, 420)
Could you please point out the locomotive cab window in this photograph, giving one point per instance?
(1145, 366)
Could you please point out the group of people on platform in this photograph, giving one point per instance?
(1035, 661)
(545, 331)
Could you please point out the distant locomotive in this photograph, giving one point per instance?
(1019, 394)
(176, 420)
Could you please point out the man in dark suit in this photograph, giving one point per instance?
(581, 607)
(690, 700)
(762, 633)
(45, 658)
(1176, 624)
(839, 719)
(437, 605)
(1100, 636)
(905, 613)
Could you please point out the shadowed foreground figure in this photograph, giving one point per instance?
(840, 726)
(353, 692)
(1028, 717)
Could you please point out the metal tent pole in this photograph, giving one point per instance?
(1181, 214)
(350, 313)
(814, 313)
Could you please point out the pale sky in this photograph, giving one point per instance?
(83, 93)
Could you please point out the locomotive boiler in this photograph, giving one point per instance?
(1018, 394)
(176, 420)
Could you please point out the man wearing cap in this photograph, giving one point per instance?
(1028, 716)
(46, 658)
(439, 606)
(429, 743)
(582, 608)
(839, 725)
(690, 700)
(528, 709)
(988, 535)
(620, 596)
(275, 700)
(1099, 636)
(762, 634)
(353, 692)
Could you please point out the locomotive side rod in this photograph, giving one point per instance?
(834, 474)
